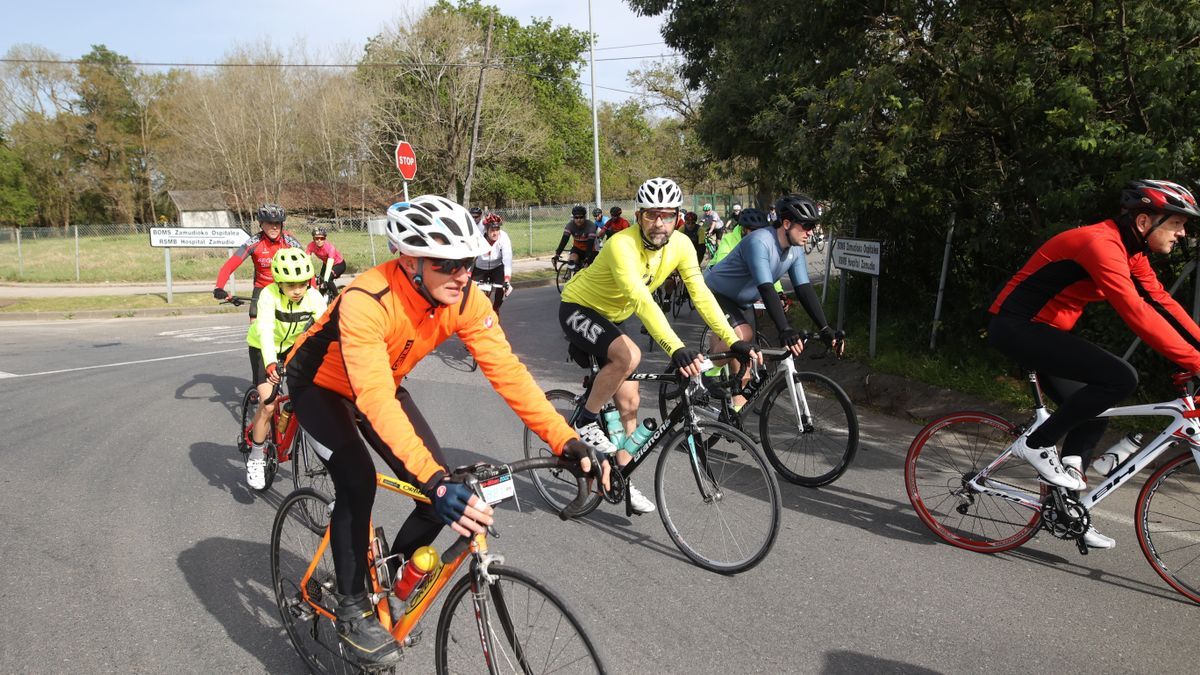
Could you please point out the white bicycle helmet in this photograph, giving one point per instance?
(431, 226)
(659, 193)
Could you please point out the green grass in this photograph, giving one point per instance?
(130, 258)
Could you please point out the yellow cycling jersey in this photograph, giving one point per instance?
(280, 321)
(621, 280)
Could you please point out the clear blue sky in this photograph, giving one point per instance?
(201, 32)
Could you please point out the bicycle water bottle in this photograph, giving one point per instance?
(415, 570)
(1118, 453)
(612, 424)
(639, 435)
(285, 416)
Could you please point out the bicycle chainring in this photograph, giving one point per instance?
(618, 483)
(1065, 517)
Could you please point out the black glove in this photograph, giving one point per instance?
(742, 349)
(220, 294)
(683, 357)
(449, 499)
(788, 338)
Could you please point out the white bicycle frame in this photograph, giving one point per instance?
(1184, 426)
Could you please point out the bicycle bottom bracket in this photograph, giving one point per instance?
(1065, 517)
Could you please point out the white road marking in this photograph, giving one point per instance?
(115, 365)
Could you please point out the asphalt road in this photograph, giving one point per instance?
(130, 543)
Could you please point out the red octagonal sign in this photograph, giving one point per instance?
(406, 160)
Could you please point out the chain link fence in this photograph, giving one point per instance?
(121, 253)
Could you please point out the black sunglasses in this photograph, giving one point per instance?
(318, 238)
(452, 266)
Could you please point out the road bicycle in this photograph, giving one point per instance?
(492, 291)
(283, 443)
(807, 425)
(715, 492)
(968, 489)
(816, 240)
(564, 269)
(496, 618)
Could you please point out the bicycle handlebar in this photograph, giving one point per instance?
(236, 300)
(275, 387)
(483, 470)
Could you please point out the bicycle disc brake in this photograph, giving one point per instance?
(1065, 517)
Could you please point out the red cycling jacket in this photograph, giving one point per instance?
(263, 250)
(1094, 263)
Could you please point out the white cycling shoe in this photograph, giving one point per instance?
(1092, 538)
(1045, 460)
(639, 502)
(256, 473)
(593, 435)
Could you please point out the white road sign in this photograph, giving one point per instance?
(856, 255)
(197, 237)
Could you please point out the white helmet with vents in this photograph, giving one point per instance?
(659, 193)
(431, 226)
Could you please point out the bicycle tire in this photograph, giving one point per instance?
(308, 471)
(557, 487)
(249, 408)
(677, 298)
(537, 631)
(562, 276)
(295, 536)
(1167, 529)
(820, 453)
(946, 454)
(743, 514)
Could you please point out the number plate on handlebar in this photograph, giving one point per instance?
(498, 488)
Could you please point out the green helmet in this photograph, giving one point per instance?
(291, 265)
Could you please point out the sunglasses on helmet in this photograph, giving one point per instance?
(452, 266)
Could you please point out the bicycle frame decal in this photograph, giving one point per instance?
(406, 489)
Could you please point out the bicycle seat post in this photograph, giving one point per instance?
(1035, 389)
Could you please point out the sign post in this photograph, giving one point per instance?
(193, 237)
(406, 162)
(863, 256)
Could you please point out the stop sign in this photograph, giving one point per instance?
(406, 160)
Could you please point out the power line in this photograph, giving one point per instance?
(644, 44)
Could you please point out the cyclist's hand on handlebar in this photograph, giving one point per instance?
(790, 340)
(590, 461)
(747, 351)
(273, 373)
(835, 340)
(688, 361)
(507, 289)
(459, 508)
(220, 294)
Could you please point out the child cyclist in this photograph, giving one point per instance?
(284, 310)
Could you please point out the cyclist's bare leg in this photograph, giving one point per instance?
(744, 333)
(623, 358)
(260, 427)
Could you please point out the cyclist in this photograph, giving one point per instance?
(285, 309)
(734, 213)
(621, 283)
(615, 223)
(713, 226)
(328, 254)
(262, 247)
(599, 218)
(351, 365)
(1034, 313)
(691, 230)
(477, 215)
(753, 268)
(581, 232)
(494, 266)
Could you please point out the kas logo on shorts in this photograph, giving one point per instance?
(584, 326)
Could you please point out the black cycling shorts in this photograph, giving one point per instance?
(258, 369)
(734, 312)
(588, 331)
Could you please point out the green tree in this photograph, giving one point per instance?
(17, 205)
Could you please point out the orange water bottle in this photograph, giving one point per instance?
(415, 570)
(285, 416)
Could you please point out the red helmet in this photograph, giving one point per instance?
(1159, 196)
(493, 220)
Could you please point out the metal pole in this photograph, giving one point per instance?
(937, 306)
(828, 269)
(595, 119)
(843, 282)
(76, 253)
(406, 191)
(1187, 269)
(874, 312)
(232, 275)
(20, 258)
(531, 230)
(167, 261)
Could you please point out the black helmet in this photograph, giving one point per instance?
(271, 213)
(578, 211)
(796, 208)
(615, 211)
(476, 211)
(752, 219)
(319, 232)
(597, 212)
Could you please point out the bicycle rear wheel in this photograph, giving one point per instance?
(1168, 526)
(526, 626)
(249, 410)
(557, 486)
(299, 527)
(817, 449)
(944, 457)
(718, 498)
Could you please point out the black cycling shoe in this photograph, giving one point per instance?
(363, 637)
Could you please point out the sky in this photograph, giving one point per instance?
(179, 31)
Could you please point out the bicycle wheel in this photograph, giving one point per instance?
(308, 471)
(722, 509)
(249, 410)
(678, 296)
(296, 534)
(1168, 528)
(948, 453)
(528, 628)
(812, 450)
(557, 486)
(563, 275)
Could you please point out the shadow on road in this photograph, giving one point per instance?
(224, 469)
(232, 579)
(875, 514)
(842, 661)
(1065, 566)
(226, 390)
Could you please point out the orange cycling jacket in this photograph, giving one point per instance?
(376, 332)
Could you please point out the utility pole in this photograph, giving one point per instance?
(487, 49)
(595, 123)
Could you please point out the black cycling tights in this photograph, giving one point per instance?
(329, 419)
(1083, 379)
